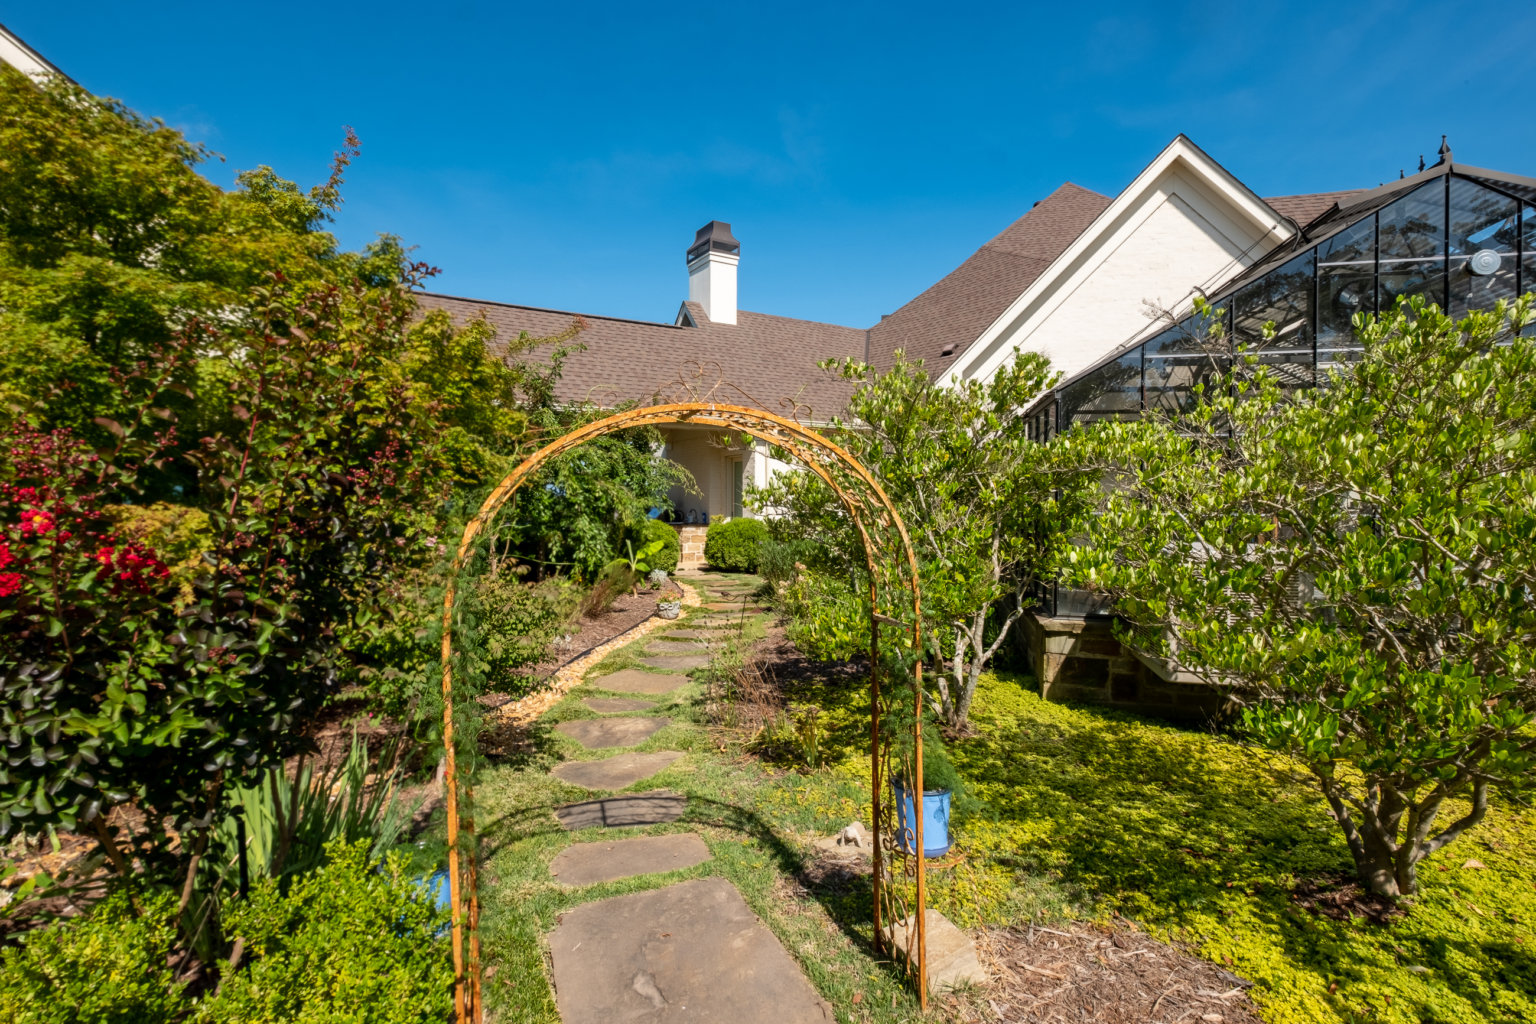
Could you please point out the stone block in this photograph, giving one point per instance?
(950, 954)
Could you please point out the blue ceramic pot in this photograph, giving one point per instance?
(935, 820)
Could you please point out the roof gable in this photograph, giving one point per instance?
(1185, 222)
(938, 324)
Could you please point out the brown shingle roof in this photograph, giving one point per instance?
(1304, 209)
(952, 314)
(769, 357)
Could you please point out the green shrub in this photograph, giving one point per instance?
(735, 545)
(351, 941)
(777, 559)
(671, 547)
(290, 823)
(109, 967)
(519, 621)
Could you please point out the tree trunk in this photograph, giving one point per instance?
(1386, 848)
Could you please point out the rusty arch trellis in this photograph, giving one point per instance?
(880, 528)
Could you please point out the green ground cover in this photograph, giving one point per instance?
(1088, 814)
(1196, 838)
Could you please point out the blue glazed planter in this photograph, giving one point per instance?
(935, 820)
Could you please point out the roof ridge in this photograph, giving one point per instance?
(545, 309)
(799, 320)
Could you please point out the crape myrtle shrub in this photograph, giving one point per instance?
(231, 454)
(989, 510)
(118, 685)
(733, 545)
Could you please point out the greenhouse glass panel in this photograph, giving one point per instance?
(1529, 232)
(1353, 247)
(1482, 219)
(1413, 227)
(1111, 392)
(1528, 284)
(1176, 362)
(1346, 285)
(1282, 297)
(1401, 280)
(1471, 291)
(1342, 294)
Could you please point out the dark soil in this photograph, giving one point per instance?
(1342, 898)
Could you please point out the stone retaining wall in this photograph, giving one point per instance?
(1080, 661)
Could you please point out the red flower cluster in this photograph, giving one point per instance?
(35, 520)
(131, 565)
(10, 582)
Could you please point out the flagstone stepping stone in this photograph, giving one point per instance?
(589, 863)
(687, 634)
(668, 644)
(613, 705)
(691, 951)
(677, 662)
(632, 680)
(653, 808)
(597, 733)
(617, 772)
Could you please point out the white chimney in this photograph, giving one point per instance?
(712, 260)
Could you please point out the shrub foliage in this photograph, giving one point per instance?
(1355, 563)
(734, 545)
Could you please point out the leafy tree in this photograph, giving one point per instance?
(1354, 564)
(988, 509)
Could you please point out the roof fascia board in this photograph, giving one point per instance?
(9, 40)
(1499, 176)
(1180, 150)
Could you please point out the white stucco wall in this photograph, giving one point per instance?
(712, 467)
(712, 284)
(18, 55)
(1179, 229)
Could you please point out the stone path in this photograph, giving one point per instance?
(690, 951)
(596, 733)
(654, 808)
(631, 680)
(617, 772)
(613, 705)
(676, 662)
(588, 863)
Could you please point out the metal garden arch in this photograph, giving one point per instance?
(890, 571)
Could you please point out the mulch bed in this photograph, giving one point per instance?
(625, 614)
(1109, 976)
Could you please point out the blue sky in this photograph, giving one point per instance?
(562, 155)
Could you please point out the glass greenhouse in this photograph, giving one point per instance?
(1461, 236)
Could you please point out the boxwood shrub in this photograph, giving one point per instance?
(353, 940)
(671, 550)
(735, 545)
